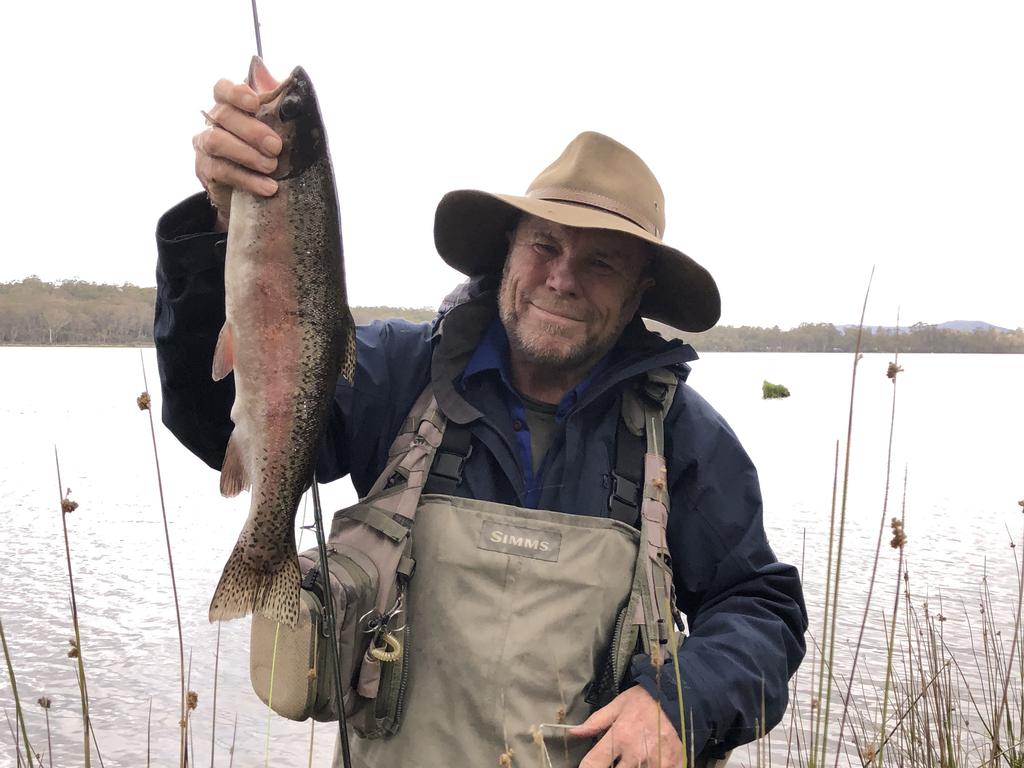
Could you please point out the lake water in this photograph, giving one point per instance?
(959, 432)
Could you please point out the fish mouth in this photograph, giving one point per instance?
(297, 78)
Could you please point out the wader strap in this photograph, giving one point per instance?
(450, 460)
(627, 476)
(647, 405)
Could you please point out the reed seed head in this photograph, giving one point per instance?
(311, 675)
(143, 401)
(505, 760)
(899, 536)
(73, 651)
(1021, 503)
(892, 370)
(67, 506)
(44, 702)
(192, 699)
(560, 716)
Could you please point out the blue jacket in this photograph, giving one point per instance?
(744, 609)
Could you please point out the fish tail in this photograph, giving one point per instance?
(247, 586)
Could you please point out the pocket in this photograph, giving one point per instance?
(382, 687)
(292, 668)
(609, 678)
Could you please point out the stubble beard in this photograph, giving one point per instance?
(536, 345)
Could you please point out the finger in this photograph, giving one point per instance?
(603, 754)
(238, 95)
(253, 132)
(223, 145)
(599, 722)
(212, 170)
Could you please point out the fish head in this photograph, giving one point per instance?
(291, 109)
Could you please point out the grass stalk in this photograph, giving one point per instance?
(674, 644)
(270, 695)
(793, 733)
(842, 520)
(816, 724)
(67, 507)
(149, 732)
(19, 714)
(1002, 702)
(14, 737)
(213, 721)
(892, 374)
(231, 749)
(44, 702)
(144, 404)
(899, 541)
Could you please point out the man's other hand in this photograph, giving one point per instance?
(235, 150)
(630, 724)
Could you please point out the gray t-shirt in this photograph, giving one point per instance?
(540, 420)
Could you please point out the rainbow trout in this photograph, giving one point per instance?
(287, 337)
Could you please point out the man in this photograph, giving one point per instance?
(533, 358)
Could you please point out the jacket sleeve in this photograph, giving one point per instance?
(393, 359)
(189, 316)
(744, 609)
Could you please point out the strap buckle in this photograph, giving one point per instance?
(450, 465)
(624, 499)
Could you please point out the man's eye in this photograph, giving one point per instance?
(600, 265)
(547, 249)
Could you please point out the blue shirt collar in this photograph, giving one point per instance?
(491, 354)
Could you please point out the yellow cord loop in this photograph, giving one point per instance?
(392, 650)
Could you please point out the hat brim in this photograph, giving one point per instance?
(470, 229)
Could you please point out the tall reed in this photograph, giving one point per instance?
(19, 714)
(67, 507)
(144, 402)
(891, 373)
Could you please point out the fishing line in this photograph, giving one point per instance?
(256, 24)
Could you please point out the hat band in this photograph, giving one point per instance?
(592, 200)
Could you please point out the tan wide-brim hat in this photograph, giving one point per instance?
(596, 183)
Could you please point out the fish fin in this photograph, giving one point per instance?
(260, 79)
(247, 586)
(348, 352)
(233, 477)
(224, 354)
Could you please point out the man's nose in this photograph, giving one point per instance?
(562, 276)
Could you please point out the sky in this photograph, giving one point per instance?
(799, 144)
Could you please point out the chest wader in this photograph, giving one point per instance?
(514, 618)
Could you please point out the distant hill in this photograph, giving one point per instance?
(970, 326)
(960, 326)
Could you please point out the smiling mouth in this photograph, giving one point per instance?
(556, 315)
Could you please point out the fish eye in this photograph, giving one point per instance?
(291, 106)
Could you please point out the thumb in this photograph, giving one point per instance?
(600, 721)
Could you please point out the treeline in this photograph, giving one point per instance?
(825, 337)
(75, 312)
(34, 312)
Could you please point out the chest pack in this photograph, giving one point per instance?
(372, 564)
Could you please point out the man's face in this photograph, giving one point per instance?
(567, 293)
